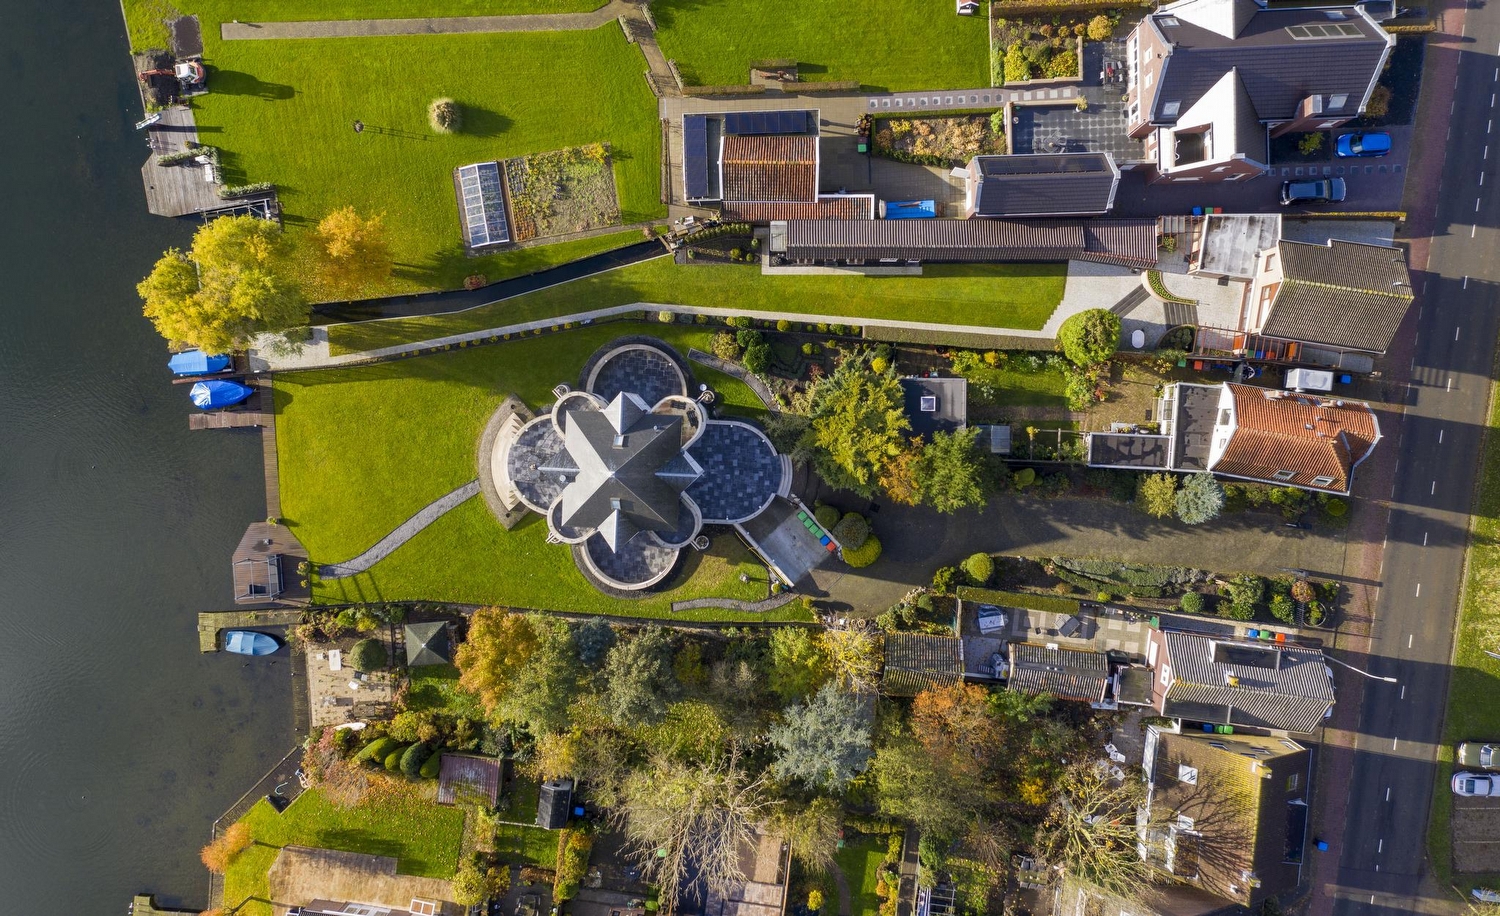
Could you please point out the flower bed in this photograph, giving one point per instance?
(1160, 291)
(944, 141)
(1031, 49)
(561, 192)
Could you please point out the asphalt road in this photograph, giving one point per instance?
(1383, 847)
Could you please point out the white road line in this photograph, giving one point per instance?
(1396, 472)
(1497, 75)
(1419, 313)
(1450, 383)
(1455, 333)
(1492, 100)
(1466, 276)
(1434, 489)
(1380, 847)
(1419, 590)
(1409, 638)
(1424, 539)
(1403, 696)
(1440, 437)
(1393, 743)
(1387, 793)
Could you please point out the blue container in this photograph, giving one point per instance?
(824, 540)
(911, 209)
(1252, 634)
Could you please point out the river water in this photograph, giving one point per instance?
(119, 742)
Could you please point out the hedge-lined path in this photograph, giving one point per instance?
(403, 533)
(452, 25)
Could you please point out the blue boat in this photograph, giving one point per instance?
(196, 362)
(249, 642)
(210, 395)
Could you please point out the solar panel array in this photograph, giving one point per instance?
(752, 123)
(483, 204)
(695, 156)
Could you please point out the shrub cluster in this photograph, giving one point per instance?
(865, 554)
(573, 848)
(851, 531)
(1019, 599)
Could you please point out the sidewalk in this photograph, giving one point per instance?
(356, 28)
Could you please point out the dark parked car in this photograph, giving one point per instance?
(1323, 190)
(1357, 145)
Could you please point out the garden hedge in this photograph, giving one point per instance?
(851, 531)
(1019, 599)
(378, 749)
(865, 554)
(432, 767)
(827, 516)
(415, 756)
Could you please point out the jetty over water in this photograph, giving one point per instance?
(187, 187)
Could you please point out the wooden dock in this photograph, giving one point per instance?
(253, 412)
(228, 419)
(145, 905)
(187, 187)
(211, 622)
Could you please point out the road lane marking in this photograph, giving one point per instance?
(1450, 383)
(1393, 743)
(1403, 696)
(1419, 589)
(1424, 539)
(1466, 276)
(1440, 440)
(1433, 492)
(1455, 333)
(1387, 793)
(1380, 847)
(1409, 638)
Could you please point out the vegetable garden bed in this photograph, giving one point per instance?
(561, 192)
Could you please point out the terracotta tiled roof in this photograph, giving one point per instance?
(775, 168)
(831, 207)
(1309, 437)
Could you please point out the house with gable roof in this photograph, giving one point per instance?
(1211, 81)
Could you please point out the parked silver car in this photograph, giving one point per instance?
(1475, 785)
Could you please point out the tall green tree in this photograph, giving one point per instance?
(1158, 495)
(234, 283)
(639, 684)
(1201, 499)
(1090, 337)
(824, 742)
(354, 251)
(543, 689)
(858, 422)
(950, 471)
(798, 665)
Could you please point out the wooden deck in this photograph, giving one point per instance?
(267, 395)
(265, 566)
(145, 905)
(211, 622)
(228, 419)
(182, 189)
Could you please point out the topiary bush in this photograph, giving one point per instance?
(757, 357)
(445, 116)
(1089, 337)
(1283, 609)
(979, 567)
(377, 750)
(879, 365)
(1023, 478)
(724, 346)
(851, 531)
(1191, 603)
(1099, 28)
(413, 758)
(393, 760)
(865, 554)
(827, 516)
(1336, 508)
(367, 655)
(432, 767)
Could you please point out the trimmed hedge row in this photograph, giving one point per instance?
(1019, 599)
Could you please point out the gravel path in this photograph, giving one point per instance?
(769, 604)
(352, 28)
(403, 533)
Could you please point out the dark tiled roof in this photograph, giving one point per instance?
(1342, 294)
(426, 644)
(1282, 688)
(777, 168)
(950, 405)
(1308, 436)
(1278, 70)
(828, 207)
(1069, 184)
(741, 472)
(1127, 242)
(917, 661)
(618, 467)
(1068, 674)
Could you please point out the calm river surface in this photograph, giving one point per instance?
(119, 743)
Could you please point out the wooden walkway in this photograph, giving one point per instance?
(185, 188)
(145, 905)
(211, 622)
(228, 419)
(267, 394)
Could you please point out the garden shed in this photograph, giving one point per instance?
(917, 661)
(426, 644)
(553, 803)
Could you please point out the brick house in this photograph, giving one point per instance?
(1213, 80)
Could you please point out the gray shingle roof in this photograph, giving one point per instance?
(1069, 674)
(1282, 688)
(619, 452)
(1278, 70)
(1119, 241)
(917, 661)
(1069, 184)
(426, 644)
(1342, 294)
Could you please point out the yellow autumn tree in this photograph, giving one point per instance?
(223, 848)
(499, 644)
(354, 251)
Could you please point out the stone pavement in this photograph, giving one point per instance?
(403, 533)
(351, 28)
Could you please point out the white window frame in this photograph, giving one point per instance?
(1284, 475)
(1322, 480)
(1187, 774)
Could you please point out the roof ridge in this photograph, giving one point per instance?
(1348, 289)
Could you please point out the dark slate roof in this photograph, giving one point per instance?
(620, 452)
(426, 644)
(1126, 242)
(553, 801)
(950, 402)
(917, 661)
(741, 472)
(1067, 184)
(1282, 687)
(1278, 71)
(1069, 674)
(539, 464)
(1342, 294)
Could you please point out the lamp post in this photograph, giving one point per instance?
(1373, 677)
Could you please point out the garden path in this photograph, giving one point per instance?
(754, 382)
(767, 604)
(403, 533)
(846, 900)
(350, 28)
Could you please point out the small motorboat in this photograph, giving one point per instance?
(249, 642)
(215, 394)
(196, 362)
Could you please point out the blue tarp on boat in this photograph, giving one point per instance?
(208, 395)
(196, 362)
(911, 209)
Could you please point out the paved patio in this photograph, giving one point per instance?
(336, 695)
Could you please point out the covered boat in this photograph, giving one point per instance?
(196, 362)
(209, 395)
(249, 642)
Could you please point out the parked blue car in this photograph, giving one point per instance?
(1359, 145)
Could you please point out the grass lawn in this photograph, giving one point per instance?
(520, 844)
(1008, 385)
(889, 44)
(860, 862)
(1472, 712)
(361, 450)
(281, 111)
(1019, 296)
(436, 687)
(144, 17)
(395, 820)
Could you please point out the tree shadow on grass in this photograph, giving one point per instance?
(235, 82)
(436, 268)
(363, 841)
(481, 122)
